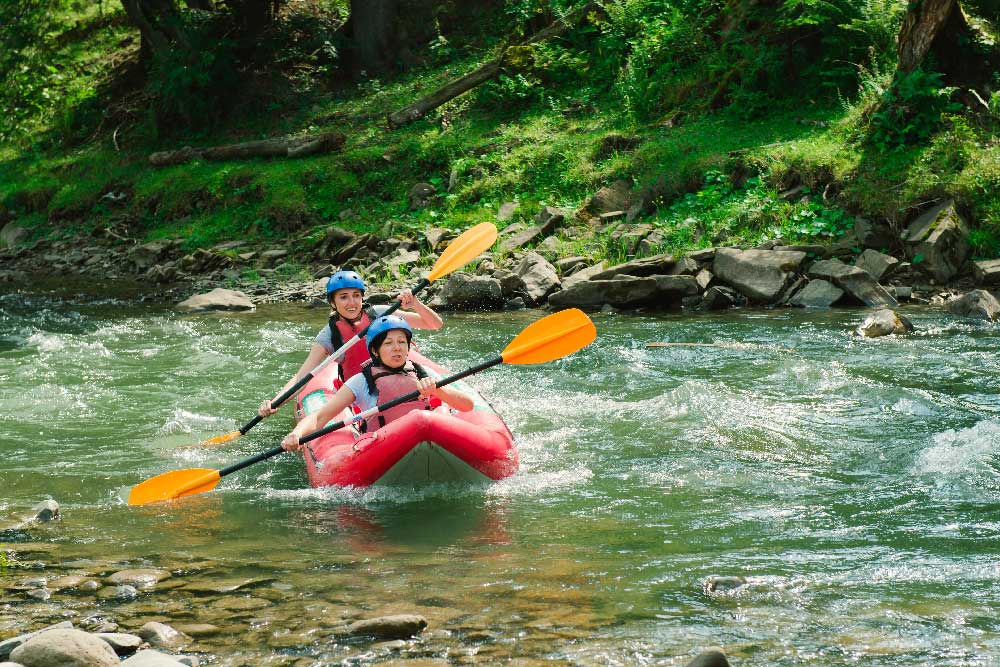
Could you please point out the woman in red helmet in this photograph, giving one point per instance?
(389, 375)
(345, 292)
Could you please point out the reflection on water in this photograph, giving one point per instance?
(852, 483)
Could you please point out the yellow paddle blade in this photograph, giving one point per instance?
(174, 484)
(220, 440)
(551, 337)
(472, 243)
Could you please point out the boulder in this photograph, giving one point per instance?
(148, 254)
(977, 303)
(884, 322)
(8, 645)
(760, 275)
(12, 235)
(941, 237)
(435, 237)
(507, 211)
(817, 294)
(625, 293)
(546, 222)
(65, 648)
(567, 265)
(352, 249)
(660, 265)
(710, 657)
(152, 658)
(721, 298)
(580, 275)
(217, 299)
(140, 577)
(854, 281)
(539, 277)
(421, 195)
(473, 292)
(874, 235)
(628, 237)
(162, 635)
(615, 197)
(987, 272)
(879, 266)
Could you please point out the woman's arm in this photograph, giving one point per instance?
(456, 399)
(422, 316)
(318, 419)
(316, 355)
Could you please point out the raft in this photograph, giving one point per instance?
(423, 446)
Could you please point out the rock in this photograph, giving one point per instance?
(271, 258)
(877, 236)
(507, 211)
(65, 648)
(12, 235)
(615, 197)
(660, 265)
(162, 635)
(941, 237)
(903, 292)
(152, 658)
(721, 298)
(987, 272)
(435, 236)
(199, 629)
(704, 278)
(217, 299)
(854, 281)
(876, 264)
(817, 294)
(402, 258)
(977, 303)
(710, 657)
(581, 275)
(353, 250)
(140, 578)
(652, 244)
(400, 626)
(421, 195)
(146, 255)
(538, 276)
(546, 222)
(717, 584)
(626, 291)
(550, 218)
(704, 256)
(120, 642)
(162, 274)
(760, 275)
(884, 322)
(9, 645)
(465, 291)
(47, 510)
(685, 266)
(567, 265)
(674, 288)
(628, 237)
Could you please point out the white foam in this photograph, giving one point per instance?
(956, 452)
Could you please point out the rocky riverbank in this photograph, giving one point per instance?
(534, 265)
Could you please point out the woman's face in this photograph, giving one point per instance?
(348, 302)
(394, 349)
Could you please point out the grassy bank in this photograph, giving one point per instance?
(705, 174)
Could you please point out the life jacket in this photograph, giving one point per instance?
(386, 384)
(341, 330)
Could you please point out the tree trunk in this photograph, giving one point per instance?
(280, 148)
(158, 22)
(937, 30)
(373, 26)
(921, 26)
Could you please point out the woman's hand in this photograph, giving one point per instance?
(427, 387)
(265, 409)
(291, 443)
(406, 299)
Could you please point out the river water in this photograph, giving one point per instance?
(853, 484)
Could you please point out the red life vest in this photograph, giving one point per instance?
(386, 384)
(341, 331)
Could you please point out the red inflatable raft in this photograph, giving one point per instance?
(423, 446)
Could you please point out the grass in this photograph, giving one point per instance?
(710, 177)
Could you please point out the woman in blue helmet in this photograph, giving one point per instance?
(389, 375)
(345, 291)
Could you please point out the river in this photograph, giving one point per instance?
(853, 483)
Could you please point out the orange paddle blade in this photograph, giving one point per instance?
(472, 243)
(551, 337)
(220, 440)
(174, 484)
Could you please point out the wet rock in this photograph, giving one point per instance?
(977, 303)
(941, 237)
(161, 635)
(39, 594)
(123, 592)
(760, 275)
(517, 303)
(65, 648)
(217, 299)
(710, 657)
(140, 578)
(722, 584)
(987, 273)
(854, 281)
(877, 265)
(817, 294)
(47, 510)
(199, 629)
(400, 626)
(120, 642)
(9, 645)
(152, 658)
(884, 322)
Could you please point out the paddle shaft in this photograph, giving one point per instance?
(338, 354)
(263, 456)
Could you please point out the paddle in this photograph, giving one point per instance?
(469, 245)
(549, 338)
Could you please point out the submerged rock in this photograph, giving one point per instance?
(710, 657)
(399, 626)
(723, 584)
(65, 647)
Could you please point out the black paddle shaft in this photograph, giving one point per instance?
(263, 456)
(309, 376)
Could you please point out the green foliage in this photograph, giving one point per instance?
(985, 243)
(911, 110)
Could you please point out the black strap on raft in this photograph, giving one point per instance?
(370, 377)
(338, 340)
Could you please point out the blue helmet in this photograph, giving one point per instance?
(344, 280)
(382, 326)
